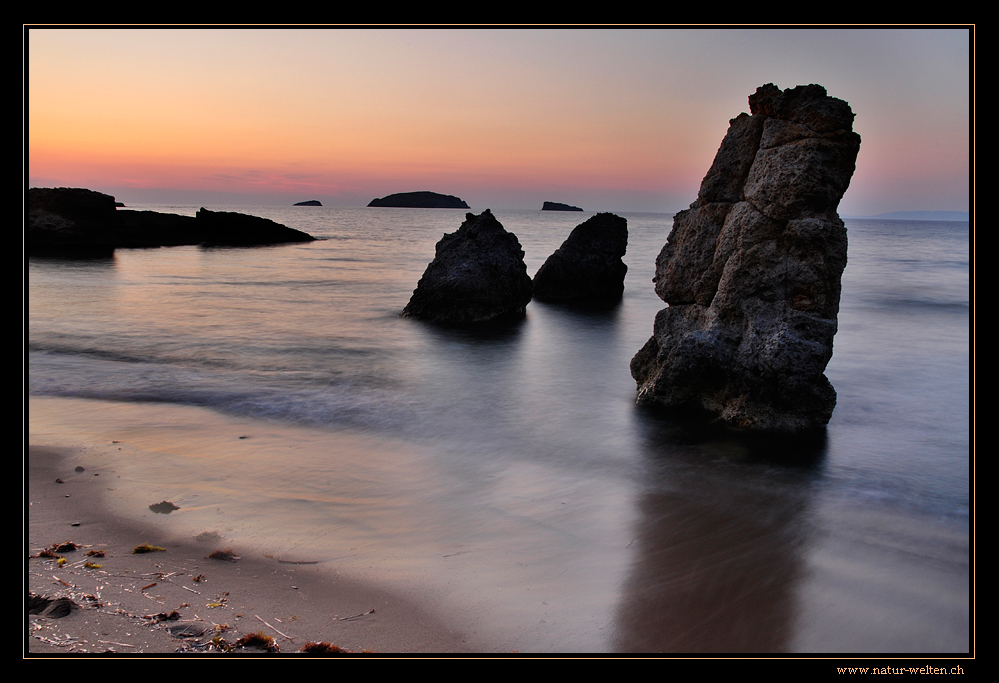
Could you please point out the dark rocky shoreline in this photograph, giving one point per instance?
(73, 222)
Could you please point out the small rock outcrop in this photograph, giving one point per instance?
(79, 223)
(751, 271)
(588, 265)
(558, 206)
(420, 200)
(230, 229)
(310, 202)
(477, 275)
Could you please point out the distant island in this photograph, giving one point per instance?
(311, 202)
(420, 200)
(558, 206)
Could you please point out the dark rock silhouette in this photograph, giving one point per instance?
(477, 275)
(70, 221)
(79, 223)
(558, 206)
(751, 271)
(420, 200)
(310, 202)
(588, 265)
(229, 229)
(147, 229)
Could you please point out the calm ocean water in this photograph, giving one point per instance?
(509, 475)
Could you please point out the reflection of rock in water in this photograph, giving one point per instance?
(719, 557)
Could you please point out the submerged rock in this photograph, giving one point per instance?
(588, 265)
(751, 271)
(420, 200)
(477, 275)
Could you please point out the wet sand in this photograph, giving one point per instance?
(292, 603)
(720, 559)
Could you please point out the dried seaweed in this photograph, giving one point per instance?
(258, 639)
(146, 548)
(228, 555)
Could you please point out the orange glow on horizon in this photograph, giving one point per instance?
(625, 113)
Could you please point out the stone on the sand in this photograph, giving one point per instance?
(477, 275)
(588, 265)
(751, 271)
(163, 508)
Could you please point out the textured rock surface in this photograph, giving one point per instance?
(588, 265)
(751, 271)
(420, 200)
(477, 275)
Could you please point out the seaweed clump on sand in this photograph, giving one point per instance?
(258, 639)
(146, 548)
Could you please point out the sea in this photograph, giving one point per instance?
(505, 478)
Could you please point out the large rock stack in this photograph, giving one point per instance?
(477, 275)
(751, 272)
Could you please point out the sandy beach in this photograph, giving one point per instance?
(114, 604)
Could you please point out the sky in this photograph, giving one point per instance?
(605, 119)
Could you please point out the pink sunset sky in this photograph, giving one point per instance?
(607, 119)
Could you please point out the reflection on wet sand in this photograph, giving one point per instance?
(721, 533)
